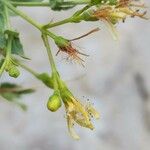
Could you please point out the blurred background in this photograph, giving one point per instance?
(116, 78)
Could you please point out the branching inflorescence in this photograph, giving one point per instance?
(109, 11)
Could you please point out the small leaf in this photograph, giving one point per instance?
(2, 22)
(2, 41)
(17, 47)
(22, 106)
(27, 0)
(59, 5)
(9, 85)
(1, 62)
(13, 93)
(11, 32)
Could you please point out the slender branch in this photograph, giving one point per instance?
(28, 69)
(31, 4)
(51, 60)
(46, 80)
(8, 53)
(7, 17)
(82, 10)
(50, 25)
(28, 19)
(71, 19)
(79, 1)
(46, 4)
(20, 13)
(9, 42)
(44, 36)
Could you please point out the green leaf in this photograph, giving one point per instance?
(11, 32)
(8, 85)
(27, 0)
(2, 21)
(59, 5)
(17, 47)
(2, 41)
(110, 2)
(13, 93)
(1, 62)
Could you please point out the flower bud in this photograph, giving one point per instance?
(14, 72)
(61, 42)
(54, 102)
(9, 66)
(67, 47)
(46, 79)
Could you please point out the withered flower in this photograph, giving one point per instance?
(115, 13)
(67, 47)
(112, 14)
(77, 113)
(72, 52)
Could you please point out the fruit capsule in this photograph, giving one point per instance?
(54, 102)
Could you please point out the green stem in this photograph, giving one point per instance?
(71, 19)
(9, 41)
(81, 11)
(46, 80)
(46, 43)
(28, 69)
(78, 1)
(51, 60)
(20, 13)
(44, 36)
(7, 17)
(28, 19)
(31, 4)
(50, 25)
(46, 4)
(8, 53)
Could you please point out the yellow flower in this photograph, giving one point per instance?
(77, 113)
(112, 14)
(118, 12)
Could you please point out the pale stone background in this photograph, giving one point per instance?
(116, 78)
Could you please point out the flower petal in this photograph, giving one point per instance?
(70, 127)
(91, 110)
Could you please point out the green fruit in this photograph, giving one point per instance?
(14, 72)
(54, 103)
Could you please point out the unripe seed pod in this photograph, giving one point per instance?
(14, 72)
(54, 102)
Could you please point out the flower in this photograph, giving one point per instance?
(72, 52)
(115, 13)
(112, 14)
(65, 45)
(77, 113)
